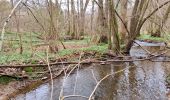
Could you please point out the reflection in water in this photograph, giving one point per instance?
(145, 81)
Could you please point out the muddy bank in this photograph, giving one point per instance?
(16, 87)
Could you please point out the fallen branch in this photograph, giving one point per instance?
(160, 60)
(41, 65)
(83, 62)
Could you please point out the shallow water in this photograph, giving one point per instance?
(145, 81)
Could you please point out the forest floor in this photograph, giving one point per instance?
(13, 80)
(17, 79)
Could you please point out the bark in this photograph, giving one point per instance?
(124, 19)
(68, 16)
(135, 23)
(102, 26)
(52, 31)
(114, 28)
(73, 19)
(92, 16)
(83, 11)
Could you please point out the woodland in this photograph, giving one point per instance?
(43, 40)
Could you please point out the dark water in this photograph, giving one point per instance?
(145, 81)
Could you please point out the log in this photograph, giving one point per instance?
(41, 65)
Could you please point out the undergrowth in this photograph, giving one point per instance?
(151, 38)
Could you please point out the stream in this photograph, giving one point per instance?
(145, 81)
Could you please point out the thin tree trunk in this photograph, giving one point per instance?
(68, 16)
(73, 22)
(17, 26)
(138, 13)
(124, 19)
(114, 28)
(82, 15)
(92, 20)
(102, 26)
(53, 33)
(6, 22)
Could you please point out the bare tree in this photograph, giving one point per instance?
(138, 19)
(82, 15)
(158, 31)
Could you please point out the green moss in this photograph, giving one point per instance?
(28, 69)
(5, 79)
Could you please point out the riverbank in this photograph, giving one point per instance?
(22, 78)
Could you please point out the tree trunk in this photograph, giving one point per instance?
(114, 28)
(102, 26)
(124, 19)
(68, 16)
(136, 22)
(52, 32)
(73, 20)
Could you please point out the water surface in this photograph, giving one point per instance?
(144, 81)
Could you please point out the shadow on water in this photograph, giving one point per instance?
(145, 81)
